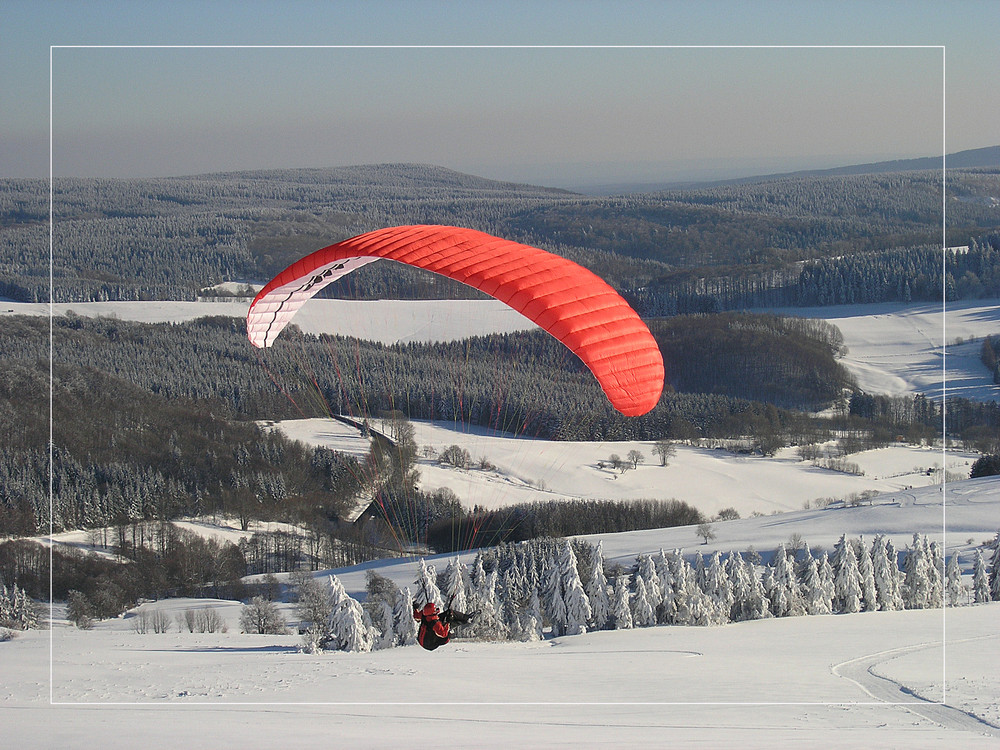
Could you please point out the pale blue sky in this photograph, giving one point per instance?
(554, 116)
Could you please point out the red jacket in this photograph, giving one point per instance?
(432, 632)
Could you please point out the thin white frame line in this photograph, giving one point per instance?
(944, 608)
(211, 704)
(498, 46)
(944, 374)
(51, 452)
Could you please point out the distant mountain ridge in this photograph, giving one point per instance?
(977, 158)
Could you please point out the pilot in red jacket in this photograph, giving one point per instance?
(433, 630)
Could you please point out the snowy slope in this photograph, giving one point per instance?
(846, 681)
(528, 469)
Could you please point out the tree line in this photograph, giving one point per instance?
(169, 238)
(567, 587)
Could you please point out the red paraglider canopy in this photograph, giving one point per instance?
(567, 300)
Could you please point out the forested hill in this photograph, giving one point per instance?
(726, 247)
(161, 416)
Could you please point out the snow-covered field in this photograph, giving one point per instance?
(920, 679)
(919, 348)
(528, 469)
(846, 681)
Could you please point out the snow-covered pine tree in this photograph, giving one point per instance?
(739, 585)
(457, 584)
(783, 589)
(667, 611)
(916, 588)
(426, 586)
(478, 575)
(553, 602)
(597, 591)
(826, 576)
(578, 611)
(406, 626)
(866, 572)
(756, 607)
(886, 574)
(349, 627)
(488, 624)
(935, 575)
(814, 594)
(980, 581)
(642, 609)
(385, 625)
(646, 569)
(994, 577)
(847, 583)
(719, 588)
(685, 588)
(699, 570)
(621, 609)
(530, 620)
(954, 590)
(336, 593)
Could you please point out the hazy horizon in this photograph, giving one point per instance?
(567, 94)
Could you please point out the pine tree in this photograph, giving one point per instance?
(621, 609)
(719, 588)
(935, 575)
(686, 591)
(349, 627)
(847, 583)
(866, 572)
(385, 626)
(426, 586)
(782, 586)
(553, 602)
(980, 581)
(642, 609)
(456, 585)
(814, 594)
(916, 583)
(953, 582)
(667, 612)
(488, 624)
(749, 593)
(531, 619)
(994, 578)
(578, 611)
(6, 608)
(886, 575)
(826, 576)
(406, 626)
(597, 590)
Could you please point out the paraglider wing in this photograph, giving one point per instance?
(567, 300)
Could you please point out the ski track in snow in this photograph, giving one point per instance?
(862, 671)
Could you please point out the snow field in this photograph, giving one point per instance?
(750, 684)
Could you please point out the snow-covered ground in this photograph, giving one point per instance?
(918, 348)
(385, 321)
(896, 679)
(922, 679)
(528, 469)
(846, 681)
